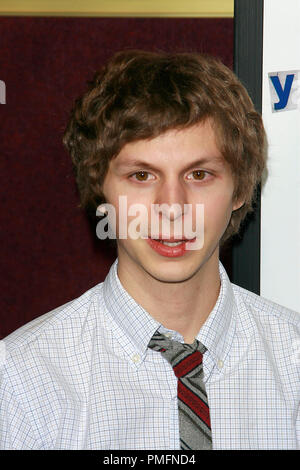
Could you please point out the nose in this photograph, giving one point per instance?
(171, 199)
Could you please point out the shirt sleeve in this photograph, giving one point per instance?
(16, 432)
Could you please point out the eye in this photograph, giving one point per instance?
(198, 175)
(142, 175)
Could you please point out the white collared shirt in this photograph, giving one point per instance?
(82, 377)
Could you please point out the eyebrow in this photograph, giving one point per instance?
(143, 164)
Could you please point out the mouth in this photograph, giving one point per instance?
(170, 241)
(169, 247)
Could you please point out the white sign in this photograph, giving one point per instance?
(280, 201)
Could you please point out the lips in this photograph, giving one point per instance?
(169, 251)
(170, 239)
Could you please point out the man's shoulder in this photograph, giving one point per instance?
(69, 315)
(266, 309)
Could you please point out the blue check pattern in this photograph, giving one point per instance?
(82, 376)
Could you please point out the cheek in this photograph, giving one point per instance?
(132, 216)
(217, 211)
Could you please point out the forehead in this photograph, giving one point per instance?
(176, 146)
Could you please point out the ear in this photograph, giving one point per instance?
(237, 205)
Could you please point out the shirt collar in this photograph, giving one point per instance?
(130, 317)
(138, 326)
(218, 330)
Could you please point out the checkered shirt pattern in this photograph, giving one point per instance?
(82, 377)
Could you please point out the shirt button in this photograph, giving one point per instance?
(220, 363)
(136, 358)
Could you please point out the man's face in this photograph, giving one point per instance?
(177, 167)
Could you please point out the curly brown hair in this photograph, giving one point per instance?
(140, 95)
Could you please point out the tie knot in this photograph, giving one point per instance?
(186, 359)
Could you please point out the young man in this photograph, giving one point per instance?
(166, 353)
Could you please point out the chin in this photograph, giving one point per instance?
(173, 272)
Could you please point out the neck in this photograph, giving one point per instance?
(179, 306)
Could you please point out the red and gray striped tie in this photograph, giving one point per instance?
(193, 410)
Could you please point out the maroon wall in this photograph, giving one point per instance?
(49, 253)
